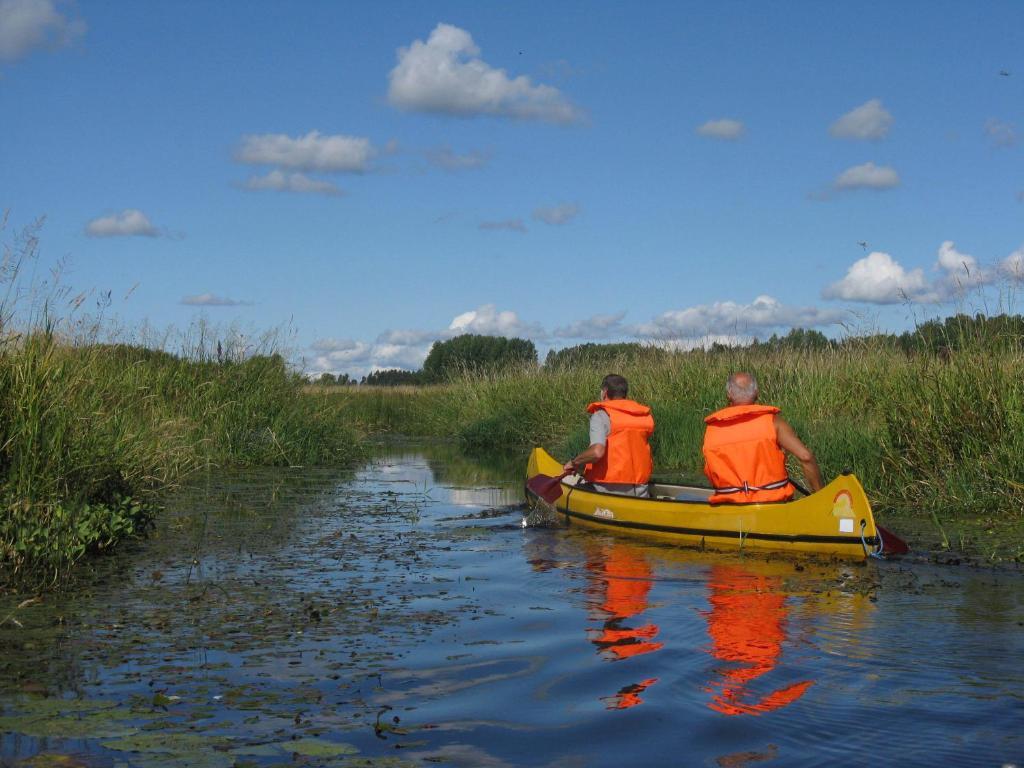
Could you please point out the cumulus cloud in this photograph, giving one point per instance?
(312, 152)
(212, 300)
(960, 270)
(726, 129)
(879, 279)
(333, 345)
(593, 328)
(130, 222)
(29, 24)
(513, 225)
(868, 121)
(1000, 134)
(488, 321)
(446, 75)
(449, 160)
(557, 214)
(406, 337)
(279, 181)
(1012, 266)
(731, 319)
(867, 176)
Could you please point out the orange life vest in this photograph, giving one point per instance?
(627, 456)
(742, 458)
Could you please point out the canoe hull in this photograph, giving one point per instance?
(836, 520)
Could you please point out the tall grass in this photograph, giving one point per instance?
(92, 431)
(939, 435)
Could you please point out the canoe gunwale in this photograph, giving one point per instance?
(796, 538)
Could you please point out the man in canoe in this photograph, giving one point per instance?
(619, 457)
(745, 448)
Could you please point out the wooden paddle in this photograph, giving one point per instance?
(547, 487)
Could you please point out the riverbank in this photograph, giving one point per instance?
(92, 434)
(937, 440)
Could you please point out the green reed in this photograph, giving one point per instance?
(929, 435)
(91, 431)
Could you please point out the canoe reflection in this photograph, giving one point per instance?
(747, 625)
(621, 581)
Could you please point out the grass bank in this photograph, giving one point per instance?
(90, 434)
(934, 438)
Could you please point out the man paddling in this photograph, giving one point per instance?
(619, 457)
(745, 448)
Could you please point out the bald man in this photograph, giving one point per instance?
(745, 446)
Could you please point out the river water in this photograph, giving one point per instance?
(401, 615)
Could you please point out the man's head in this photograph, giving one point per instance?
(614, 387)
(741, 389)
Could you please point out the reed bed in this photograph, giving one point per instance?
(938, 436)
(91, 432)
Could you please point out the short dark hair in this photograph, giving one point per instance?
(616, 386)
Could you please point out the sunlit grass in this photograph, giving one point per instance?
(928, 435)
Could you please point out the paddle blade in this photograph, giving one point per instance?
(546, 487)
(891, 543)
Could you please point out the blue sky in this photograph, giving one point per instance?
(381, 175)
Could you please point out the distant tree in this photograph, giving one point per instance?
(474, 354)
(601, 355)
(328, 379)
(958, 332)
(393, 377)
(800, 339)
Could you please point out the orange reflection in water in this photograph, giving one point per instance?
(747, 624)
(621, 583)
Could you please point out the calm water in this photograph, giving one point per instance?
(400, 615)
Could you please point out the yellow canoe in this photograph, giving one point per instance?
(836, 520)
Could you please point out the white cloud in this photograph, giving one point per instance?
(312, 152)
(729, 130)
(595, 327)
(513, 225)
(407, 338)
(867, 176)
(334, 345)
(1012, 266)
(446, 75)
(731, 319)
(880, 279)
(212, 300)
(28, 24)
(130, 222)
(445, 158)
(1001, 134)
(279, 181)
(488, 321)
(868, 121)
(557, 214)
(961, 270)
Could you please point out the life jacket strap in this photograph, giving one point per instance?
(747, 488)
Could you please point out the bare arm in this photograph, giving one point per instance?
(594, 453)
(790, 443)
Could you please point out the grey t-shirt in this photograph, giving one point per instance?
(600, 428)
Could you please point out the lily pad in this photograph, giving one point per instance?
(318, 748)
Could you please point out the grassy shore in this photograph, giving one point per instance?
(91, 434)
(934, 438)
